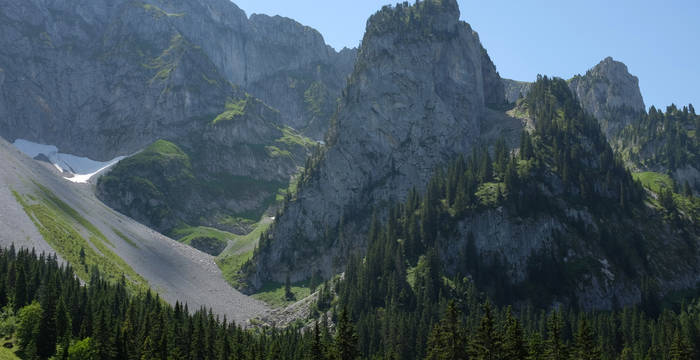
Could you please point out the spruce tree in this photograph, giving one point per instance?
(346, 338)
(288, 294)
(585, 346)
(316, 350)
(487, 343)
(46, 339)
(20, 294)
(555, 348)
(513, 341)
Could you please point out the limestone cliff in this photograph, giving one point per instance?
(610, 93)
(417, 97)
(105, 78)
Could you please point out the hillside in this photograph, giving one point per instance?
(50, 214)
(224, 174)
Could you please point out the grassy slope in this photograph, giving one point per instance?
(654, 182)
(240, 250)
(195, 236)
(273, 293)
(66, 231)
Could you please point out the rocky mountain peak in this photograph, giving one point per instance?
(607, 89)
(434, 16)
(417, 97)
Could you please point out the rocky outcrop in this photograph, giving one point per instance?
(101, 79)
(610, 93)
(416, 98)
(105, 78)
(516, 89)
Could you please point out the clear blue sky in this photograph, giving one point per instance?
(659, 41)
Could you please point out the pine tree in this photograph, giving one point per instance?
(20, 294)
(46, 339)
(103, 341)
(346, 338)
(513, 342)
(487, 343)
(448, 340)
(536, 347)
(288, 294)
(585, 346)
(316, 350)
(555, 347)
(679, 349)
(63, 323)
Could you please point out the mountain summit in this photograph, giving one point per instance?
(608, 90)
(418, 95)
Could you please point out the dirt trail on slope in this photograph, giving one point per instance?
(174, 270)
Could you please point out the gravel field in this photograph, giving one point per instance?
(174, 270)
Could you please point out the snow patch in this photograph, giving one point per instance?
(78, 169)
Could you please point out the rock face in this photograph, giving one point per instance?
(230, 166)
(515, 89)
(417, 97)
(610, 93)
(105, 78)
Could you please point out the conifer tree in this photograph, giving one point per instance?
(346, 338)
(448, 340)
(20, 294)
(46, 339)
(555, 347)
(487, 343)
(513, 342)
(585, 346)
(316, 350)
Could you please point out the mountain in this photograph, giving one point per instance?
(609, 93)
(398, 127)
(229, 169)
(43, 211)
(419, 95)
(111, 77)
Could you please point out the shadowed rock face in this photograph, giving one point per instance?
(104, 78)
(416, 98)
(610, 93)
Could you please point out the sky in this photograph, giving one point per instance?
(659, 41)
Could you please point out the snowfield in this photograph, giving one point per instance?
(78, 169)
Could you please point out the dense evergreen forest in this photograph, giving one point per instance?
(663, 140)
(49, 314)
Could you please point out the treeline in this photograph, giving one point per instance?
(412, 22)
(484, 332)
(663, 139)
(52, 315)
(413, 310)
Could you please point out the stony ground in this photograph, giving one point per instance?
(176, 271)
